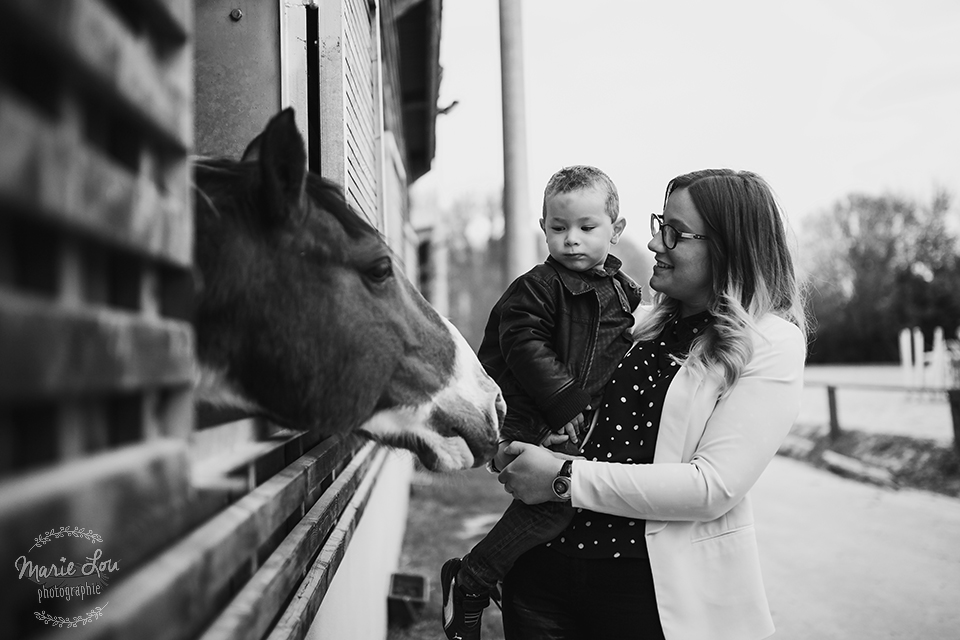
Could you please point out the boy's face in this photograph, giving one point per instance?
(578, 229)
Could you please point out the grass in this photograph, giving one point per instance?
(448, 514)
(915, 463)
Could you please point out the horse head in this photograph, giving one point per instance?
(304, 317)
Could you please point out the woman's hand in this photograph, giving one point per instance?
(529, 476)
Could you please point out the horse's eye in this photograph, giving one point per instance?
(381, 270)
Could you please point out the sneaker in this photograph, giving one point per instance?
(460, 613)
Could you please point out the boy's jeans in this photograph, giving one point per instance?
(521, 528)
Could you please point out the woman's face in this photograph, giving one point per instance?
(684, 273)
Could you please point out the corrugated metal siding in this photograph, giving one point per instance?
(360, 181)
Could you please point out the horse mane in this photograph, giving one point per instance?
(324, 193)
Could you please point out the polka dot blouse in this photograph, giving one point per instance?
(626, 432)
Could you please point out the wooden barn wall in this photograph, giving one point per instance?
(96, 240)
(230, 530)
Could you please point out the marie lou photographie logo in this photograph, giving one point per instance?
(69, 577)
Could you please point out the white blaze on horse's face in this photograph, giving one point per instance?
(459, 419)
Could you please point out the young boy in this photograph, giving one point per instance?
(552, 342)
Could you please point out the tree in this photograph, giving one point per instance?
(876, 265)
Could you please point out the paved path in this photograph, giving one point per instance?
(844, 560)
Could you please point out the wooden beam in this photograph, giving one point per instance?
(177, 593)
(135, 498)
(47, 167)
(50, 351)
(299, 615)
(91, 36)
(253, 610)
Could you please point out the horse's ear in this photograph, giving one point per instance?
(252, 152)
(283, 166)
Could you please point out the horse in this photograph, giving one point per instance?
(302, 315)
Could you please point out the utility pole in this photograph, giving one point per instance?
(518, 243)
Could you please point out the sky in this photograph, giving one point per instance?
(822, 98)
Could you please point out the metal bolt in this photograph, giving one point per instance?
(236, 14)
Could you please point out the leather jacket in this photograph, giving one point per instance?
(540, 345)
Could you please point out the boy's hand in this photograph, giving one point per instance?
(553, 438)
(500, 458)
(572, 428)
(568, 431)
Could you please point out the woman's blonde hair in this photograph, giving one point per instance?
(754, 271)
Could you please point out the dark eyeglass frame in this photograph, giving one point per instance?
(671, 235)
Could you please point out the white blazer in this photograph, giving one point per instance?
(709, 453)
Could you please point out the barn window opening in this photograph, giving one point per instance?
(28, 429)
(313, 89)
(425, 268)
(124, 419)
(176, 292)
(39, 81)
(114, 135)
(31, 257)
(110, 278)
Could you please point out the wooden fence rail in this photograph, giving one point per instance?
(952, 395)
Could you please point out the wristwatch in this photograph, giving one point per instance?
(561, 484)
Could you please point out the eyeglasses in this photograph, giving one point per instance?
(670, 235)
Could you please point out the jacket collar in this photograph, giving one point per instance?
(575, 281)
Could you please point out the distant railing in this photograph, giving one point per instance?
(952, 395)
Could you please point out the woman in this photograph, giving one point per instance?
(707, 395)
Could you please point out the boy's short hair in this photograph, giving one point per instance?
(582, 176)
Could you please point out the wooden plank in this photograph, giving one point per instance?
(298, 617)
(243, 460)
(90, 35)
(332, 95)
(253, 610)
(45, 165)
(174, 413)
(177, 594)
(171, 18)
(213, 441)
(135, 498)
(49, 351)
(866, 386)
(251, 447)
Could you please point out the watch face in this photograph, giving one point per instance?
(561, 487)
